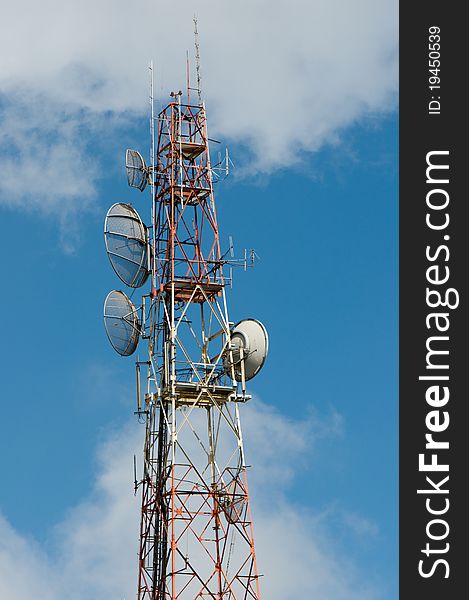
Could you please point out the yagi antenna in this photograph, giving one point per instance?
(197, 61)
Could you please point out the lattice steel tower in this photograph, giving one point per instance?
(196, 538)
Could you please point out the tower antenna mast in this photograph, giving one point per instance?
(197, 61)
(196, 536)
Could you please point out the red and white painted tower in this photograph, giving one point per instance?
(196, 535)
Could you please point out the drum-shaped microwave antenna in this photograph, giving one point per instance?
(121, 323)
(126, 241)
(135, 169)
(251, 337)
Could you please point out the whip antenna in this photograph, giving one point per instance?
(197, 61)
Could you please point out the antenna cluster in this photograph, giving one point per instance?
(196, 538)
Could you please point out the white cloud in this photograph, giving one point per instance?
(298, 560)
(94, 552)
(23, 565)
(94, 549)
(44, 159)
(281, 78)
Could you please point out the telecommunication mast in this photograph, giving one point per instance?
(196, 536)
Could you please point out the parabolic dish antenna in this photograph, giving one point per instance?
(125, 237)
(136, 169)
(121, 323)
(250, 336)
(235, 502)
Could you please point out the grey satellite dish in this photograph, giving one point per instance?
(121, 323)
(136, 170)
(125, 237)
(235, 501)
(250, 336)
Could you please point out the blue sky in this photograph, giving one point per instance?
(323, 220)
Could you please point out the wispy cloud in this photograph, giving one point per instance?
(280, 79)
(94, 549)
(43, 156)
